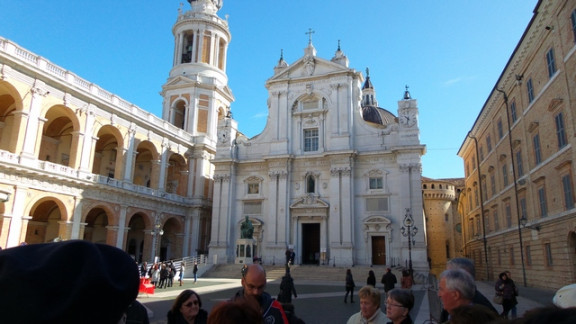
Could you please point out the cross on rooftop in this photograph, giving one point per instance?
(309, 33)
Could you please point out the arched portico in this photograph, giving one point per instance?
(47, 222)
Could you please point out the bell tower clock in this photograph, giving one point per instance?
(408, 111)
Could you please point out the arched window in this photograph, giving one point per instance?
(188, 45)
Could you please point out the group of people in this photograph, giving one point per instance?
(464, 304)
(162, 274)
(251, 304)
(90, 271)
(399, 301)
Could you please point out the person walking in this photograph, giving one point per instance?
(171, 273)
(406, 281)
(514, 310)
(163, 276)
(371, 281)
(389, 280)
(506, 288)
(195, 271)
(349, 286)
(154, 274)
(181, 275)
(287, 289)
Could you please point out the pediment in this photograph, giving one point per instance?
(309, 66)
(309, 202)
(179, 81)
(376, 224)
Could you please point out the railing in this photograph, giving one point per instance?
(434, 302)
(62, 170)
(73, 81)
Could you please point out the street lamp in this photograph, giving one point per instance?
(524, 223)
(481, 205)
(409, 230)
(518, 217)
(157, 232)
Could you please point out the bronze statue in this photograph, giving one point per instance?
(246, 229)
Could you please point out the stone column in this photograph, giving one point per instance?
(121, 227)
(76, 219)
(129, 155)
(33, 133)
(17, 231)
(75, 150)
(163, 166)
(89, 144)
(187, 231)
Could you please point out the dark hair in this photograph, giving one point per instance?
(402, 296)
(473, 314)
(239, 311)
(184, 296)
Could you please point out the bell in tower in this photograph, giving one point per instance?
(196, 94)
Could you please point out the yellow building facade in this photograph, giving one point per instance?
(443, 221)
(518, 204)
(79, 162)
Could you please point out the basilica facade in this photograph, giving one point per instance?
(332, 176)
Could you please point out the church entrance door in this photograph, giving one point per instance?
(311, 243)
(378, 250)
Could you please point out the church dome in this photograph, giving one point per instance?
(377, 115)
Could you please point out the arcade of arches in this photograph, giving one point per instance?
(72, 169)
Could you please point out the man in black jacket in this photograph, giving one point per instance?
(388, 280)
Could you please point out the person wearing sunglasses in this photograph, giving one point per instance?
(187, 309)
(398, 306)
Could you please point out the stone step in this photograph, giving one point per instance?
(305, 272)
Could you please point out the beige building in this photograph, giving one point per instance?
(78, 162)
(443, 221)
(518, 202)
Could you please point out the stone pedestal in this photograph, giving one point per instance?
(244, 251)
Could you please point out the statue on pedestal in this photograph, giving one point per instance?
(246, 229)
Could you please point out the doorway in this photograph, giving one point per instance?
(311, 243)
(379, 250)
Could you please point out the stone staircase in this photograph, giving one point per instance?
(307, 272)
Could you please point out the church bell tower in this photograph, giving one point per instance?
(196, 94)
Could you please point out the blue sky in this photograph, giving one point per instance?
(449, 52)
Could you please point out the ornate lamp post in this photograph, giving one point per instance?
(157, 234)
(410, 231)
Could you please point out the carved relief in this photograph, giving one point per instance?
(309, 64)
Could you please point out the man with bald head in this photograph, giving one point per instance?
(253, 284)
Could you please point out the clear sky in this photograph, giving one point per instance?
(449, 52)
